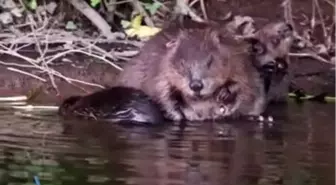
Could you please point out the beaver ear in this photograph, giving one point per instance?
(282, 28)
(290, 26)
(285, 30)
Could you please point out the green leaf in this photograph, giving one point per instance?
(125, 24)
(32, 4)
(152, 8)
(94, 3)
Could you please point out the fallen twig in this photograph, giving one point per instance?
(288, 13)
(319, 12)
(58, 55)
(14, 98)
(182, 7)
(35, 107)
(137, 6)
(312, 55)
(26, 73)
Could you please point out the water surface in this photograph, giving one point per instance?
(298, 148)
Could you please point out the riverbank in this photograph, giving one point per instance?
(310, 75)
(80, 74)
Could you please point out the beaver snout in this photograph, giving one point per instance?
(279, 65)
(269, 67)
(196, 85)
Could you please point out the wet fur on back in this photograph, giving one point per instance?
(116, 104)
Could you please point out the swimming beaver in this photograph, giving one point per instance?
(184, 67)
(269, 49)
(116, 104)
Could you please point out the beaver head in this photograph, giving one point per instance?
(270, 46)
(198, 63)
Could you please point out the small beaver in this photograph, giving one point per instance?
(116, 104)
(269, 49)
(187, 63)
(185, 67)
(173, 64)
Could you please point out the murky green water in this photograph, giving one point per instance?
(297, 149)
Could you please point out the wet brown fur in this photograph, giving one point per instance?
(163, 68)
(170, 60)
(241, 94)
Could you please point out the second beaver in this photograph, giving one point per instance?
(270, 46)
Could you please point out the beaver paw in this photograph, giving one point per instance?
(227, 95)
(224, 110)
(223, 94)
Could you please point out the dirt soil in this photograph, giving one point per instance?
(82, 68)
(311, 75)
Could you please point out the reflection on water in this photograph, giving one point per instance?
(297, 149)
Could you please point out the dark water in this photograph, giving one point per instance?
(297, 149)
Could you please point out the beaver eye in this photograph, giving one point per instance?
(209, 61)
(182, 62)
(275, 41)
(182, 66)
(258, 48)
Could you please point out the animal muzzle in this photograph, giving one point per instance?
(196, 86)
(279, 65)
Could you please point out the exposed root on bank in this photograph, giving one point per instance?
(304, 41)
(42, 38)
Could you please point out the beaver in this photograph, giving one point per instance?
(115, 104)
(267, 50)
(184, 69)
(270, 46)
(171, 67)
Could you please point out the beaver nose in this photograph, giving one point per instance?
(269, 66)
(196, 85)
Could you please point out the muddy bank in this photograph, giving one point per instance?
(310, 75)
(81, 68)
(313, 76)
